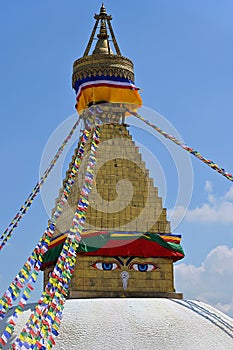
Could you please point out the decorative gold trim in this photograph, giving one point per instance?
(102, 65)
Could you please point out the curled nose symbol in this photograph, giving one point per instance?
(124, 278)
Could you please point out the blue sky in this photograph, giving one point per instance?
(183, 56)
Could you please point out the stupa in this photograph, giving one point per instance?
(127, 249)
(122, 292)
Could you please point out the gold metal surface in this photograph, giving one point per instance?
(103, 61)
(102, 65)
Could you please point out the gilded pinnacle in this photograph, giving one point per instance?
(103, 14)
(103, 31)
(103, 10)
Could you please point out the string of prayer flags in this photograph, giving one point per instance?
(28, 202)
(210, 163)
(14, 317)
(28, 273)
(33, 277)
(43, 324)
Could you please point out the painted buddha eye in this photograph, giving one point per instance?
(106, 266)
(143, 267)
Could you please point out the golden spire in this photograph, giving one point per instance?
(103, 45)
(103, 10)
(103, 61)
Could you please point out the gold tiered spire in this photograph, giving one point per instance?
(123, 201)
(102, 61)
(126, 248)
(104, 75)
(124, 197)
(103, 45)
(103, 35)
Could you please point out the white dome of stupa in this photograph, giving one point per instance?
(133, 324)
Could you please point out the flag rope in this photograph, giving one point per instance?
(28, 202)
(210, 163)
(44, 322)
(28, 274)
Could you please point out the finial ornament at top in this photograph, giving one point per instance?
(105, 20)
(106, 58)
(103, 14)
(101, 65)
(103, 9)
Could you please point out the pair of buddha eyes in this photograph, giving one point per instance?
(110, 266)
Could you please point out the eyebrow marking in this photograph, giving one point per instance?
(129, 260)
(119, 260)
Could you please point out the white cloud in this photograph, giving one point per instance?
(215, 210)
(229, 194)
(226, 308)
(211, 282)
(208, 186)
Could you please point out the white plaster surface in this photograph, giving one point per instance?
(145, 324)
